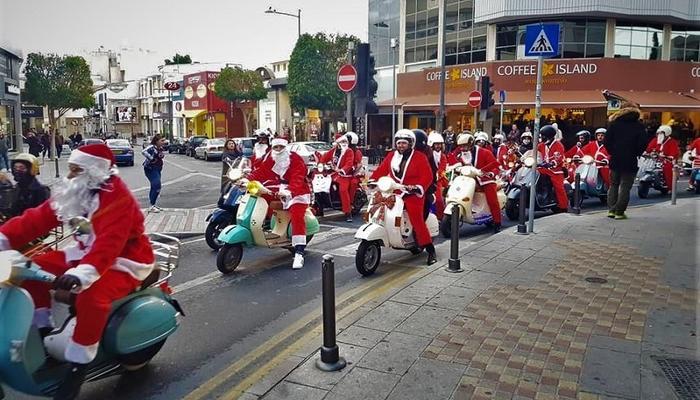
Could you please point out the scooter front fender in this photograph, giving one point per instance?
(220, 216)
(236, 234)
(372, 232)
(514, 193)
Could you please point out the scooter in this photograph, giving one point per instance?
(544, 191)
(387, 225)
(651, 175)
(137, 328)
(225, 214)
(591, 184)
(249, 230)
(325, 192)
(473, 208)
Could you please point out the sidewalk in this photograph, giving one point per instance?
(586, 308)
(184, 222)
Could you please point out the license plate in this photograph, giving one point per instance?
(117, 151)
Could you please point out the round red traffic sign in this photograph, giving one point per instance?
(347, 78)
(474, 98)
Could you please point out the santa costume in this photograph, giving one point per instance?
(597, 150)
(359, 170)
(667, 147)
(551, 152)
(102, 267)
(260, 149)
(342, 159)
(438, 161)
(695, 153)
(289, 170)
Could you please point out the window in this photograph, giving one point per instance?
(638, 42)
(579, 38)
(465, 41)
(422, 17)
(685, 45)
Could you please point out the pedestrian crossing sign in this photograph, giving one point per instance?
(542, 40)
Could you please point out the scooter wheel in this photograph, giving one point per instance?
(229, 257)
(138, 359)
(211, 235)
(367, 258)
(643, 190)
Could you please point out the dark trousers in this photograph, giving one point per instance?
(153, 175)
(619, 192)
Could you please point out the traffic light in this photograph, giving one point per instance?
(487, 100)
(372, 87)
(362, 66)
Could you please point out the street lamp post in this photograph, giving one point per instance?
(271, 10)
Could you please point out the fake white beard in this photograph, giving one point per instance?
(73, 197)
(660, 138)
(396, 161)
(466, 157)
(282, 162)
(260, 149)
(436, 156)
(343, 146)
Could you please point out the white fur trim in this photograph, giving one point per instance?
(79, 353)
(87, 274)
(396, 161)
(299, 199)
(86, 160)
(298, 240)
(136, 269)
(260, 150)
(42, 318)
(74, 253)
(278, 142)
(4, 243)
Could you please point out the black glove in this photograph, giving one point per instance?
(66, 282)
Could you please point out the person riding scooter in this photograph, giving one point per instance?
(282, 165)
(582, 139)
(29, 193)
(439, 163)
(551, 153)
(498, 144)
(667, 148)
(483, 159)
(359, 168)
(342, 159)
(695, 164)
(525, 142)
(261, 148)
(481, 139)
(103, 267)
(412, 169)
(422, 147)
(596, 149)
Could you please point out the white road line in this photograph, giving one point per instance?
(197, 281)
(176, 180)
(192, 241)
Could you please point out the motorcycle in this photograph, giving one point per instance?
(137, 328)
(249, 230)
(325, 192)
(387, 225)
(473, 208)
(544, 191)
(651, 175)
(591, 184)
(227, 206)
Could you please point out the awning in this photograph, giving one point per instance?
(660, 101)
(192, 113)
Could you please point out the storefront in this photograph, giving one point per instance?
(10, 120)
(667, 92)
(32, 118)
(207, 114)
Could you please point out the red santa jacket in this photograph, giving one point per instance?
(439, 160)
(481, 158)
(503, 156)
(117, 240)
(343, 162)
(294, 176)
(576, 151)
(668, 147)
(552, 154)
(695, 152)
(357, 155)
(257, 158)
(597, 151)
(416, 171)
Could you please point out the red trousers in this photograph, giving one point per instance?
(604, 173)
(92, 305)
(491, 193)
(439, 202)
(668, 174)
(344, 187)
(296, 215)
(558, 184)
(414, 207)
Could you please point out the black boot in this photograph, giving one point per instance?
(432, 257)
(496, 228)
(348, 217)
(70, 387)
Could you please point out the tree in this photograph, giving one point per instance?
(313, 67)
(61, 83)
(179, 59)
(238, 85)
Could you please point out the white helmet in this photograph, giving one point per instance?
(261, 133)
(601, 130)
(481, 136)
(465, 138)
(407, 135)
(435, 137)
(526, 134)
(665, 129)
(352, 137)
(499, 137)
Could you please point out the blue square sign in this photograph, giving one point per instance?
(542, 40)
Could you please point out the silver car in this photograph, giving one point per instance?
(307, 150)
(210, 149)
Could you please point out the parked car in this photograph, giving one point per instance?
(307, 150)
(122, 150)
(90, 141)
(177, 146)
(210, 149)
(246, 145)
(193, 142)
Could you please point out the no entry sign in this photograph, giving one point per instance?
(347, 78)
(474, 98)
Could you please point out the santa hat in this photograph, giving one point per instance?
(93, 156)
(278, 142)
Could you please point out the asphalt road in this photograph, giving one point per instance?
(229, 317)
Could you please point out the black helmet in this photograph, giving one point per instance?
(548, 132)
(421, 138)
(586, 135)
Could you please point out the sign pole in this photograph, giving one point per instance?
(535, 142)
(348, 95)
(500, 124)
(476, 111)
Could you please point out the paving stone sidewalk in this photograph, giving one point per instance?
(184, 222)
(586, 308)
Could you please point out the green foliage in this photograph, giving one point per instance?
(237, 84)
(179, 59)
(58, 82)
(313, 67)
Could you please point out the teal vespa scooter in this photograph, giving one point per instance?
(136, 330)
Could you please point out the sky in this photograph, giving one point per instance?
(149, 31)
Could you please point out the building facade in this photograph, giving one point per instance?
(10, 106)
(275, 111)
(603, 46)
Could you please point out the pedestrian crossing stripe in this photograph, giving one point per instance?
(542, 44)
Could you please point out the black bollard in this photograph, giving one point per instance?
(330, 357)
(522, 228)
(56, 166)
(577, 194)
(453, 264)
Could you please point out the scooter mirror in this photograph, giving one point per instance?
(5, 266)
(81, 225)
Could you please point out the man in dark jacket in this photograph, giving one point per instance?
(625, 141)
(29, 192)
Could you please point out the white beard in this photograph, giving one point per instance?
(396, 161)
(260, 149)
(437, 155)
(281, 162)
(73, 197)
(466, 157)
(660, 138)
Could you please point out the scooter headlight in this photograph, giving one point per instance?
(319, 167)
(5, 265)
(587, 159)
(385, 184)
(529, 162)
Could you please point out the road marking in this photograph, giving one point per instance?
(176, 180)
(373, 289)
(197, 281)
(192, 241)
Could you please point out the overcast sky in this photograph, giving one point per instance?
(149, 31)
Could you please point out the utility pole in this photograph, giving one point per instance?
(441, 117)
(348, 95)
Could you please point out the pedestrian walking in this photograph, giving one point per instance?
(230, 154)
(625, 140)
(152, 167)
(45, 141)
(4, 158)
(59, 145)
(33, 143)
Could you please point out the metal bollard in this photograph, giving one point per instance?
(56, 166)
(453, 264)
(330, 357)
(577, 194)
(674, 183)
(522, 228)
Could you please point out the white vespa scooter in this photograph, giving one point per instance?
(387, 225)
(473, 208)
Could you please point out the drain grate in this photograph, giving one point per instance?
(595, 279)
(684, 376)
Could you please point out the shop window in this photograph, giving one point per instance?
(410, 6)
(574, 50)
(685, 44)
(479, 56)
(638, 42)
(506, 53)
(421, 5)
(432, 52)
